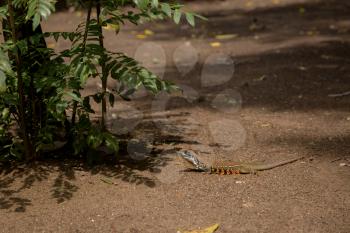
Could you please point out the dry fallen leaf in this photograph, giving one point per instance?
(210, 229)
(51, 45)
(78, 13)
(225, 36)
(261, 78)
(141, 36)
(312, 32)
(108, 181)
(215, 44)
(148, 32)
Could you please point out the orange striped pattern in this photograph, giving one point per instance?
(224, 170)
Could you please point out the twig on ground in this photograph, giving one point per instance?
(339, 94)
(337, 159)
(107, 181)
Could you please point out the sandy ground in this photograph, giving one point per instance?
(260, 95)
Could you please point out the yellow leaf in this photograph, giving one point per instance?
(141, 36)
(215, 44)
(79, 13)
(148, 32)
(51, 45)
(210, 229)
(112, 27)
(312, 33)
(225, 36)
(261, 78)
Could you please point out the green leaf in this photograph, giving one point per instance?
(94, 139)
(2, 82)
(38, 9)
(142, 4)
(36, 21)
(87, 106)
(97, 97)
(3, 12)
(200, 17)
(5, 63)
(111, 142)
(155, 3)
(190, 19)
(166, 9)
(56, 35)
(71, 36)
(5, 113)
(177, 16)
(64, 35)
(74, 96)
(111, 99)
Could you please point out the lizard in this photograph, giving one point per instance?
(226, 168)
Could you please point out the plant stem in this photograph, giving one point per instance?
(103, 67)
(29, 152)
(87, 23)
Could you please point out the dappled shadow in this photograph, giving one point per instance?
(10, 188)
(60, 171)
(64, 187)
(16, 179)
(294, 62)
(295, 77)
(275, 23)
(298, 78)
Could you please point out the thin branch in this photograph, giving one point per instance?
(339, 94)
(87, 23)
(20, 87)
(16, 118)
(104, 75)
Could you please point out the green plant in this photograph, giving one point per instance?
(41, 98)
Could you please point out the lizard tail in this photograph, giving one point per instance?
(193, 160)
(277, 164)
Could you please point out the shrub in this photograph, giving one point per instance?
(41, 101)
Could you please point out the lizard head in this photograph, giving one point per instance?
(191, 158)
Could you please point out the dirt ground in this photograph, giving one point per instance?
(263, 93)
